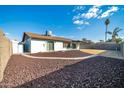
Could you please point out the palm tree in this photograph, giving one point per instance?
(114, 33)
(107, 22)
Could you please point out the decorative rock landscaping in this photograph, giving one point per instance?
(93, 72)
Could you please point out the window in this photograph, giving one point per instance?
(74, 46)
(66, 45)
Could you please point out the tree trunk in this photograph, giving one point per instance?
(113, 38)
(106, 33)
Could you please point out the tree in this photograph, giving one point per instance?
(114, 33)
(101, 40)
(119, 40)
(107, 22)
(109, 40)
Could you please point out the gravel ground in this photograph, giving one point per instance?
(72, 53)
(93, 72)
(21, 69)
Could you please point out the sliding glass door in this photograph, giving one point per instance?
(50, 45)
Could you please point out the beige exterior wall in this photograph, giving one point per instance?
(5, 53)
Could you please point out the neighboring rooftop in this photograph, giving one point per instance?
(44, 37)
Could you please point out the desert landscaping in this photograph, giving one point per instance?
(96, 71)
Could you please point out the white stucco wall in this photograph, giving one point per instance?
(41, 46)
(20, 48)
(58, 46)
(38, 46)
(14, 47)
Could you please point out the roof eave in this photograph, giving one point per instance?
(53, 40)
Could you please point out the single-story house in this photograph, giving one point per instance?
(34, 43)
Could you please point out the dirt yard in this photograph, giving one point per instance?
(92, 51)
(93, 72)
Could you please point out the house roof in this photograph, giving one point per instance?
(76, 41)
(43, 37)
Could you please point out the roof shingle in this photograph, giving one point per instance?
(43, 37)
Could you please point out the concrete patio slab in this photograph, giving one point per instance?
(104, 53)
(112, 54)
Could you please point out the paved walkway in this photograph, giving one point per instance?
(112, 54)
(104, 53)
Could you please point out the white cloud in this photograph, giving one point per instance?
(78, 8)
(96, 12)
(93, 12)
(109, 12)
(78, 16)
(81, 22)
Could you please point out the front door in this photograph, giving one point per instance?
(50, 46)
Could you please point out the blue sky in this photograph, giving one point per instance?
(75, 22)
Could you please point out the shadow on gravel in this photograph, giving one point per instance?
(92, 73)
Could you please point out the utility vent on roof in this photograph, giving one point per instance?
(48, 33)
